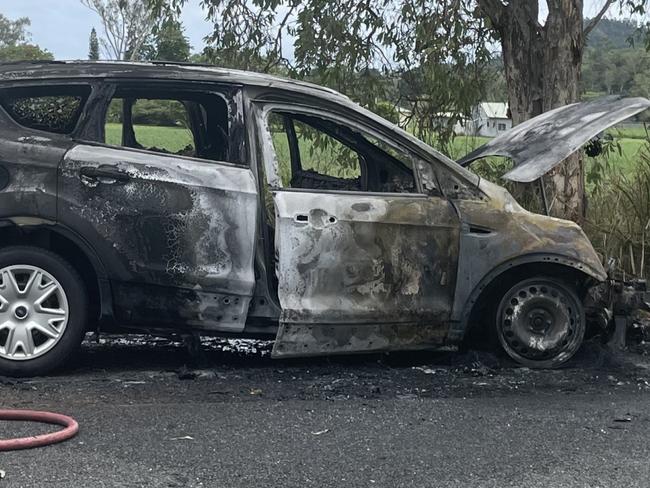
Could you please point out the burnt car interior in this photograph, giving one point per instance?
(323, 155)
(203, 115)
(48, 108)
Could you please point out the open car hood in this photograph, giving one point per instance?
(541, 143)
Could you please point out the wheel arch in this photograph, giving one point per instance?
(504, 275)
(37, 232)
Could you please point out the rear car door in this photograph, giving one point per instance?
(166, 197)
(365, 259)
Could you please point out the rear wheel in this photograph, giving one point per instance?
(540, 322)
(42, 311)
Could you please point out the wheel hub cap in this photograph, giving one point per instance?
(20, 311)
(33, 312)
(538, 321)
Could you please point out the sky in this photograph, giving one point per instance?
(63, 26)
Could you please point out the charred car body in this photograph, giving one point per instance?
(388, 245)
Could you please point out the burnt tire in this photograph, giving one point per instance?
(540, 322)
(43, 311)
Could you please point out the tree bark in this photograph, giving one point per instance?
(542, 69)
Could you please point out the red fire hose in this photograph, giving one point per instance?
(70, 424)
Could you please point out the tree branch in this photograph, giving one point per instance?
(494, 10)
(594, 22)
(276, 50)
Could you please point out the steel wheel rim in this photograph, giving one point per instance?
(34, 312)
(540, 321)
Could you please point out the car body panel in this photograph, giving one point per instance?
(28, 166)
(383, 262)
(499, 234)
(358, 271)
(184, 231)
(539, 144)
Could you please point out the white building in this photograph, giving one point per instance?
(489, 119)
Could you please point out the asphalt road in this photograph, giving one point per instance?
(416, 420)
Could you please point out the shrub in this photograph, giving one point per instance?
(618, 215)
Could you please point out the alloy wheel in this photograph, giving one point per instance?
(33, 312)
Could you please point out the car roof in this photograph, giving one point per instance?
(35, 70)
(157, 70)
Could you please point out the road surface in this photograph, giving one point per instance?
(412, 420)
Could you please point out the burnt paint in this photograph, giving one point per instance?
(539, 144)
(29, 158)
(183, 226)
(497, 234)
(390, 268)
(389, 264)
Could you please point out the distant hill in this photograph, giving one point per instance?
(614, 34)
(611, 65)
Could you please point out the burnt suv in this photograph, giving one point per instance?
(269, 207)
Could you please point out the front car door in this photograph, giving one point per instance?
(166, 198)
(365, 259)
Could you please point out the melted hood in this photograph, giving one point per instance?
(541, 143)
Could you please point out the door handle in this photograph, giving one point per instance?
(104, 172)
(320, 219)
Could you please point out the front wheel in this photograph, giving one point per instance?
(540, 322)
(42, 311)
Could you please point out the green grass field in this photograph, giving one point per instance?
(627, 159)
(630, 131)
(174, 139)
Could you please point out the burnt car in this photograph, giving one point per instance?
(275, 208)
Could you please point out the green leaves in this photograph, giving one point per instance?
(13, 32)
(429, 57)
(171, 43)
(93, 46)
(14, 42)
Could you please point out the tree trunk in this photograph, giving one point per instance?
(542, 68)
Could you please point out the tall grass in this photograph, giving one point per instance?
(618, 216)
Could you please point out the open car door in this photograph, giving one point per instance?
(365, 260)
(541, 143)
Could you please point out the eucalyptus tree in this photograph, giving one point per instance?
(436, 51)
(128, 26)
(15, 42)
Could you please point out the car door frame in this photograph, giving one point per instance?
(297, 337)
(224, 311)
